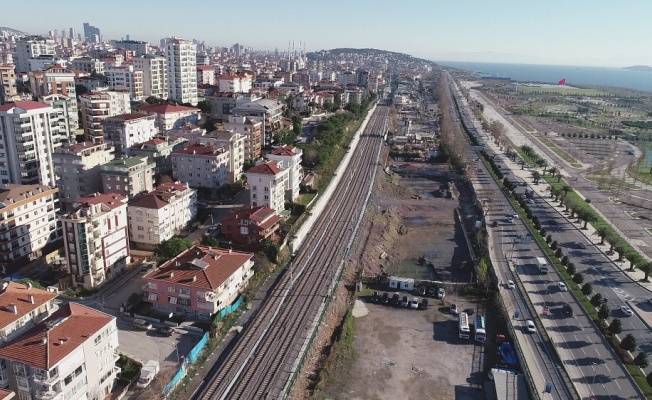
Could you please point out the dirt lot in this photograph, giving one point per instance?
(399, 353)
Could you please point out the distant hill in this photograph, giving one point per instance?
(645, 68)
(11, 31)
(367, 53)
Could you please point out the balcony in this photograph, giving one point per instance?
(48, 395)
(47, 378)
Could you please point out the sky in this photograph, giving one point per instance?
(576, 32)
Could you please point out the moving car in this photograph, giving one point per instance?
(415, 303)
(627, 311)
(510, 284)
(581, 246)
(454, 309)
(567, 309)
(530, 326)
(164, 330)
(562, 287)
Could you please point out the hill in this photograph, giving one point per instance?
(645, 68)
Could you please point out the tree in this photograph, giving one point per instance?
(604, 311)
(602, 231)
(641, 360)
(588, 217)
(620, 249)
(552, 171)
(173, 247)
(549, 239)
(210, 241)
(536, 176)
(587, 288)
(634, 258)
(554, 245)
(578, 278)
(204, 106)
(646, 267)
(628, 343)
(596, 300)
(616, 326)
(559, 253)
(571, 269)
(564, 261)
(648, 378)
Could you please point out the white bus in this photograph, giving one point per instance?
(480, 332)
(465, 332)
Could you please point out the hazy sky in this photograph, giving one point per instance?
(575, 32)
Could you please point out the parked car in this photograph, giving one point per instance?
(454, 309)
(515, 216)
(415, 303)
(422, 290)
(396, 300)
(405, 302)
(530, 326)
(627, 311)
(385, 298)
(164, 330)
(581, 246)
(494, 224)
(510, 284)
(510, 220)
(142, 324)
(530, 201)
(562, 287)
(375, 297)
(441, 293)
(424, 304)
(432, 292)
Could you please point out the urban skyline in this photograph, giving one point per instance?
(553, 32)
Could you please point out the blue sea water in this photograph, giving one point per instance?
(582, 76)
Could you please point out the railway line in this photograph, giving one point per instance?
(261, 361)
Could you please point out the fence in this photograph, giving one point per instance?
(192, 357)
(228, 309)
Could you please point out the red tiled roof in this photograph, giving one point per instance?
(198, 149)
(205, 68)
(44, 346)
(284, 151)
(269, 168)
(200, 267)
(25, 105)
(111, 200)
(80, 146)
(166, 108)
(257, 214)
(127, 117)
(160, 197)
(153, 141)
(18, 295)
(6, 394)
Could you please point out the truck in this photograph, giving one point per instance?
(147, 373)
(542, 265)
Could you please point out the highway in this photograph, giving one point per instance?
(263, 360)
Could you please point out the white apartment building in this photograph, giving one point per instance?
(201, 166)
(235, 83)
(182, 70)
(77, 167)
(66, 108)
(96, 239)
(95, 107)
(158, 215)
(171, 117)
(88, 64)
(267, 182)
(128, 176)
(70, 355)
(234, 143)
(290, 156)
(31, 47)
(252, 131)
(21, 306)
(155, 78)
(126, 78)
(205, 75)
(126, 130)
(29, 134)
(138, 46)
(159, 150)
(28, 223)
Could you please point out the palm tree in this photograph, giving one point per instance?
(646, 267)
(558, 176)
(620, 249)
(553, 170)
(602, 231)
(588, 218)
(554, 193)
(536, 176)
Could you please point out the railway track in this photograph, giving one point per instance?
(258, 364)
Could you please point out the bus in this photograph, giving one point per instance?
(480, 332)
(465, 332)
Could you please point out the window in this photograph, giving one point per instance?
(172, 289)
(184, 302)
(172, 300)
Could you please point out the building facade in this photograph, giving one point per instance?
(182, 70)
(126, 78)
(96, 239)
(290, 156)
(128, 176)
(267, 182)
(233, 143)
(66, 108)
(31, 47)
(251, 225)
(155, 79)
(88, 64)
(251, 130)
(95, 107)
(201, 166)
(8, 90)
(159, 150)
(77, 167)
(171, 117)
(125, 130)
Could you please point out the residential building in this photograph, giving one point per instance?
(77, 167)
(223, 103)
(95, 107)
(201, 166)
(171, 117)
(29, 134)
(158, 215)
(69, 355)
(182, 70)
(8, 91)
(31, 47)
(235, 83)
(139, 47)
(96, 239)
(251, 225)
(155, 79)
(126, 78)
(290, 157)
(233, 142)
(267, 182)
(27, 222)
(159, 150)
(21, 306)
(128, 176)
(267, 111)
(251, 130)
(125, 130)
(88, 64)
(199, 282)
(91, 84)
(53, 80)
(66, 108)
(205, 75)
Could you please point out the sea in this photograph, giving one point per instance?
(579, 76)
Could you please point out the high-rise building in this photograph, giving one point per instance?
(8, 90)
(32, 47)
(97, 106)
(182, 70)
(126, 78)
(125, 130)
(29, 133)
(91, 33)
(155, 79)
(78, 169)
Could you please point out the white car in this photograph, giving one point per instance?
(627, 311)
(510, 220)
(415, 303)
(515, 216)
(510, 284)
(530, 326)
(562, 287)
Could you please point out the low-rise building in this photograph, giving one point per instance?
(128, 176)
(267, 182)
(170, 117)
(69, 355)
(251, 225)
(158, 215)
(96, 239)
(290, 156)
(201, 166)
(125, 130)
(21, 306)
(199, 282)
(159, 150)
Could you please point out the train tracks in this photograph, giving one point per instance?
(263, 359)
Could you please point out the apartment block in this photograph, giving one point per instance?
(88, 64)
(201, 166)
(182, 70)
(171, 117)
(69, 355)
(141, 48)
(251, 225)
(95, 107)
(128, 176)
(22, 306)
(66, 108)
(125, 130)
(77, 167)
(235, 83)
(199, 282)
(290, 156)
(31, 47)
(126, 78)
(8, 90)
(205, 75)
(27, 222)
(96, 239)
(53, 80)
(267, 182)
(158, 215)
(233, 142)
(159, 150)
(155, 79)
(251, 130)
